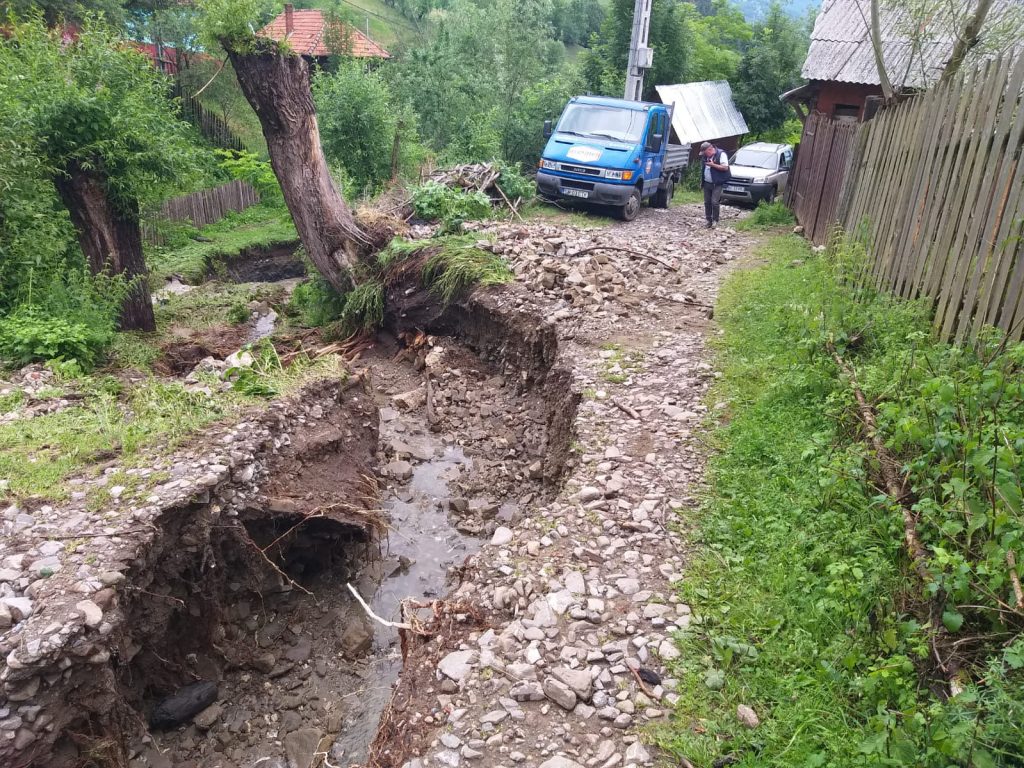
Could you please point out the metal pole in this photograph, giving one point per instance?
(640, 56)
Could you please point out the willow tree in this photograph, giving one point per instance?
(276, 82)
(97, 118)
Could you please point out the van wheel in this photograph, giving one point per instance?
(770, 197)
(663, 197)
(631, 209)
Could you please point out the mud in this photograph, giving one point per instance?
(268, 264)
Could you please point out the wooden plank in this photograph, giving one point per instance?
(900, 230)
(937, 261)
(903, 145)
(1011, 257)
(1011, 313)
(963, 197)
(989, 205)
(938, 114)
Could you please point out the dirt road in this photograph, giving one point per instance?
(569, 665)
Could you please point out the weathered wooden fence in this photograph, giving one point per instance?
(204, 207)
(820, 173)
(213, 127)
(935, 184)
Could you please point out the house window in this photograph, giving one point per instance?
(846, 112)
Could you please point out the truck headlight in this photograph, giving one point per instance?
(618, 175)
(549, 165)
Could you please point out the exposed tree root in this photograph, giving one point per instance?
(895, 487)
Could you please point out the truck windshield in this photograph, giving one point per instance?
(753, 158)
(603, 122)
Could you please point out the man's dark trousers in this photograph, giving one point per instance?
(712, 200)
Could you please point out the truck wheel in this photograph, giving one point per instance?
(663, 196)
(631, 209)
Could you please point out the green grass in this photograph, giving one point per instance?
(459, 265)
(116, 421)
(193, 260)
(552, 214)
(767, 216)
(803, 606)
(767, 538)
(683, 196)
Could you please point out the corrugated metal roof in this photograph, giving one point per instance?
(841, 47)
(307, 35)
(703, 111)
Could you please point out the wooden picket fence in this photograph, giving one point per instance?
(935, 185)
(819, 175)
(211, 125)
(203, 207)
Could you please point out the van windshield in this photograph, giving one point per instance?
(603, 122)
(753, 158)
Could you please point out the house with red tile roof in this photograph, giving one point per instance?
(309, 33)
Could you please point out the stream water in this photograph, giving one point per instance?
(422, 538)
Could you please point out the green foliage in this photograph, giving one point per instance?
(575, 22)
(436, 202)
(252, 168)
(823, 634)
(96, 103)
(476, 81)
(28, 336)
(718, 40)
(458, 264)
(364, 307)
(233, 23)
(770, 66)
(767, 216)
(604, 66)
(515, 185)
(359, 118)
(315, 302)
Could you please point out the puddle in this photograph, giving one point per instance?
(263, 326)
(422, 535)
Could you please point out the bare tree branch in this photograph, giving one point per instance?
(967, 39)
(876, 45)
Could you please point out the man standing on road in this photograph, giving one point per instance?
(716, 173)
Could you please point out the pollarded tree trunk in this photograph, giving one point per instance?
(277, 86)
(110, 240)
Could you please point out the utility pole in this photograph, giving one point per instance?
(640, 56)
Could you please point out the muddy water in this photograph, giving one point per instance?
(424, 540)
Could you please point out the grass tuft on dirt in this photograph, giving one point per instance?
(459, 264)
(804, 604)
(767, 216)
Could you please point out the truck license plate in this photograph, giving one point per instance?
(731, 188)
(575, 192)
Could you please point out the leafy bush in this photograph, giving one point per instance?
(359, 119)
(29, 336)
(315, 302)
(767, 216)
(436, 202)
(248, 166)
(515, 185)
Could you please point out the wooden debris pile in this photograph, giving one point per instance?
(477, 177)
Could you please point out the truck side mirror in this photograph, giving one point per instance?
(547, 129)
(656, 139)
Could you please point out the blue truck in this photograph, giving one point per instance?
(611, 152)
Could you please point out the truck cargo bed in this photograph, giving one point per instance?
(676, 156)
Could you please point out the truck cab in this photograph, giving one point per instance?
(611, 152)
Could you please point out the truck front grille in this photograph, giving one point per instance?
(579, 169)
